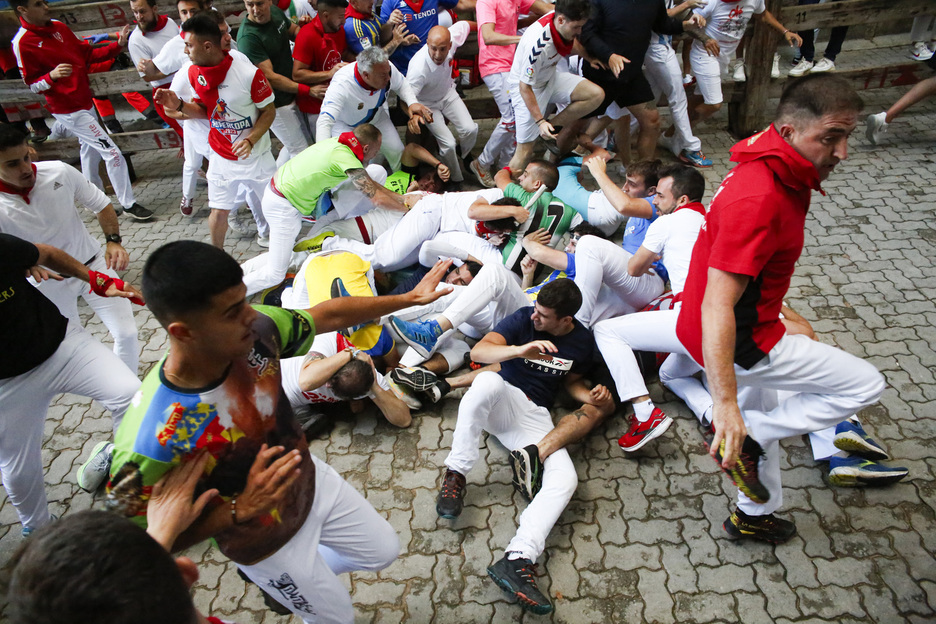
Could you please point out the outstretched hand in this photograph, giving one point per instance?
(426, 291)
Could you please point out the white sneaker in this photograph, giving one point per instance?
(237, 224)
(737, 73)
(823, 65)
(802, 68)
(875, 126)
(688, 79)
(669, 143)
(484, 176)
(920, 52)
(775, 68)
(263, 241)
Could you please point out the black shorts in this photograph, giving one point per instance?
(623, 93)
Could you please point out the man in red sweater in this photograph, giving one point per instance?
(54, 62)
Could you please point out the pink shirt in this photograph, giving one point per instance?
(504, 14)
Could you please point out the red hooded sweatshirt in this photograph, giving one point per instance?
(754, 227)
(40, 49)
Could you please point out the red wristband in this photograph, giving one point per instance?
(305, 90)
(100, 282)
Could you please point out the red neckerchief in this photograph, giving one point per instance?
(15, 190)
(351, 142)
(697, 206)
(361, 81)
(161, 21)
(563, 47)
(205, 80)
(352, 12)
(415, 5)
(42, 31)
(785, 162)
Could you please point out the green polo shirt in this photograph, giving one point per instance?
(269, 42)
(315, 170)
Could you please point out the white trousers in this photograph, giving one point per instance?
(93, 138)
(195, 148)
(452, 109)
(665, 76)
(269, 269)
(599, 261)
(81, 365)
(391, 146)
(343, 533)
(493, 405)
(503, 140)
(115, 312)
(398, 247)
(287, 126)
(371, 225)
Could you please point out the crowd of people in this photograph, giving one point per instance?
(409, 287)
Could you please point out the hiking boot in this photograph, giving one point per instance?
(451, 497)
(94, 472)
(518, 579)
(767, 528)
(744, 471)
(417, 379)
(856, 471)
(527, 471)
(639, 433)
(423, 336)
(851, 437)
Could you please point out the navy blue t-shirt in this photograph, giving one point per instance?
(541, 379)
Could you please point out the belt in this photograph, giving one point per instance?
(276, 190)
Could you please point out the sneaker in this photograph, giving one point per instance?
(518, 579)
(875, 126)
(552, 145)
(27, 531)
(744, 472)
(688, 80)
(767, 528)
(438, 391)
(668, 143)
(94, 472)
(919, 51)
(263, 241)
(775, 68)
(527, 471)
(404, 395)
(823, 65)
(639, 433)
(450, 501)
(802, 68)
(186, 207)
(484, 176)
(273, 296)
(113, 126)
(795, 60)
(856, 471)
(314, 244)
(138, 212)
(737, 73)
(420, 335)
(237, 224)
(695, 158)
(417, 379)
(851, 437)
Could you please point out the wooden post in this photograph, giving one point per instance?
(751, 114)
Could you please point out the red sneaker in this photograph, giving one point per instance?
(640, 433)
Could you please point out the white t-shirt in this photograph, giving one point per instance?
(455, 208)
(51, 216)
(431, 82)
(673, 236)
(243, 92)
(458, 245)
(536, 57)
(148, 46)
(352, 102)
(325, 345)
(727, 21)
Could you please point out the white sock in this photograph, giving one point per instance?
(643, 411)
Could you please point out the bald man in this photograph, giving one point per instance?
(430, 75)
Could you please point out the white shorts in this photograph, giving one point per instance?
(708, 71)
(558, 91)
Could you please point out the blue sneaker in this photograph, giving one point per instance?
(849, 436)
(27, 531)
(421, 335)
(856, 471)
(338, 289)
(695, 158)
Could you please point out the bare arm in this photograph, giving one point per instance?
(317, 370)
(278, 81)
(394, 410)
(345, 312)
(641, 261)
(722, 292)
(302, 74)
(243, 147)
(492, 37)
(178, 109)
(621, 201)
(542, 253)
(149, 71)
(493, 349)
(115, 255)
(791, 37)
(381, 197)
(481, 210)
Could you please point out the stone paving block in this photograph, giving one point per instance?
(704, 607)
(830, 602)
(658, 604)
(633, 557)
(781, 600)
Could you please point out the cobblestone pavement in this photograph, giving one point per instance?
(642, 538)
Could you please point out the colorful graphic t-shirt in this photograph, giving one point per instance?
(232, 418)
(540, 378)
(548, 213)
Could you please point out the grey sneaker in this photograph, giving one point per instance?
(94, 472)
(875, 127)
(237, 224)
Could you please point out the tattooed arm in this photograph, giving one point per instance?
(380, 196)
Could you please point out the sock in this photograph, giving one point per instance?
(643, 411)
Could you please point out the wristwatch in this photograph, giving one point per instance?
(113, 238)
